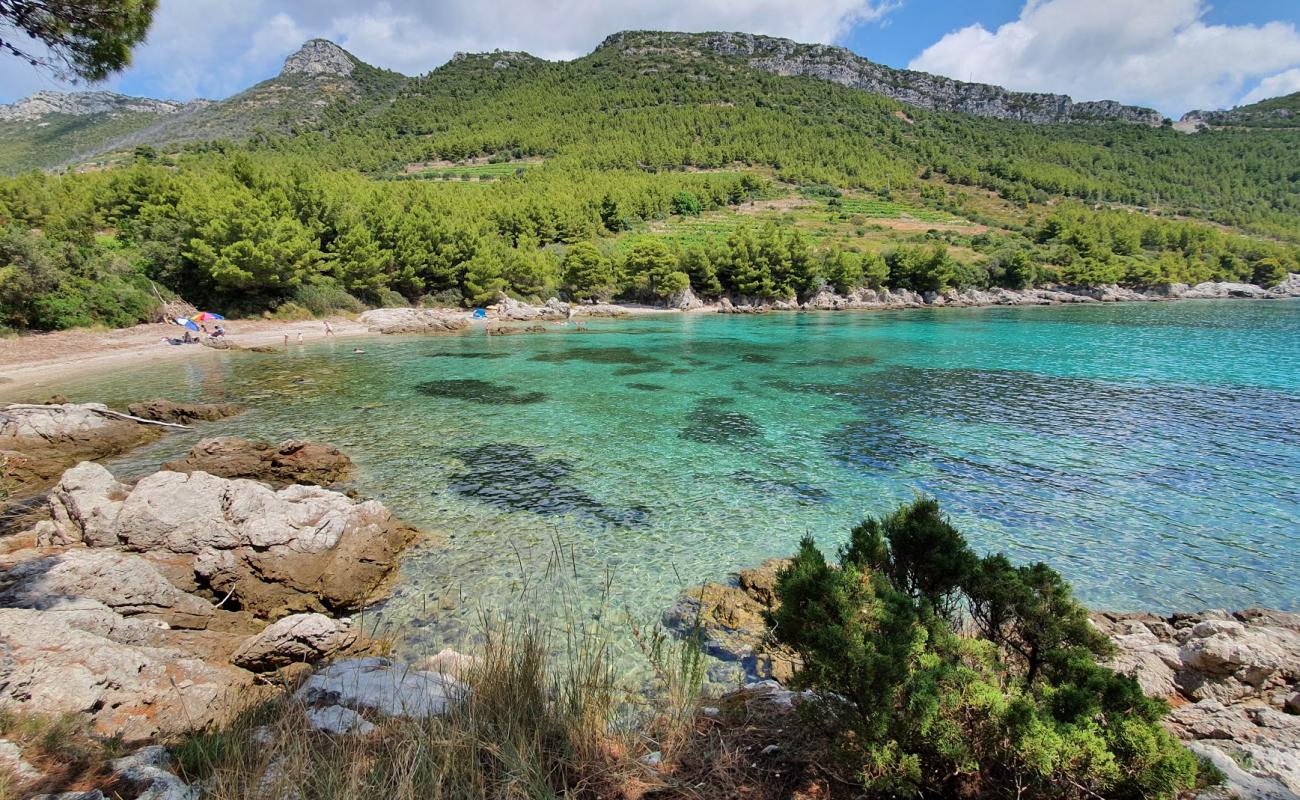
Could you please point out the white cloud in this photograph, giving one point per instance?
(213, 48)
(1274, 86)
(1154, 52)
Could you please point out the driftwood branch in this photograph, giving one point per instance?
(104, 411)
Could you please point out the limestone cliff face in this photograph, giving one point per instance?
(319, 57)
(1277, 112)
(838, 65)
(82, 104)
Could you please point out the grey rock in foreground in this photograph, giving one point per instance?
(148, 772)
(84, 658)
(302, 548)
(382, 686)
(1230, 677)
(295, 639)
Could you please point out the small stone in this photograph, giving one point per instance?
(11, 758)
(295, 639)
(338, 720)
(652, 759)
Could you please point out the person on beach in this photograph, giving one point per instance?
(299, 337)
(328, 330)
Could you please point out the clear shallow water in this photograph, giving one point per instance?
(1148, 452)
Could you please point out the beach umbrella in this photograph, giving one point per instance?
(204, 316)
(186, 323)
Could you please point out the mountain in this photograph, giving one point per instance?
(51, 129)
(838, 65)
(80, 104)
(1276, 112)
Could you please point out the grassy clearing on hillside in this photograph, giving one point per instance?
(469, 172)
(855, 222)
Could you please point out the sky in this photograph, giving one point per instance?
(1172, 55)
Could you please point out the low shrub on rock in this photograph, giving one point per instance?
(942, 674)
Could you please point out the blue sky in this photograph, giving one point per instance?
(1173, 55)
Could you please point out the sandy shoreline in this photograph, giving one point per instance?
(35, 360)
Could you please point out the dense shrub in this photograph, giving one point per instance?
(918, 707)
(325, 298)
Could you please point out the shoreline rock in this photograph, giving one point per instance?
(183, 413)
(1234, 682)
(727, 619)
(414, 320)
(301, 548)
(508, 310)
(145, 608)
(289, 462)
(39, 442)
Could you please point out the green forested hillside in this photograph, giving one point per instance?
(580, 177)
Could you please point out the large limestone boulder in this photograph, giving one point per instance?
(183, 413)
(124, 582)
(293, 461)
(54, 663)
(295, 639)
(302, 548)
(413, 320)
(38, 442)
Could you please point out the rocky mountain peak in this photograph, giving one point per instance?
(81, 104)
(319, 57)
(839, 65)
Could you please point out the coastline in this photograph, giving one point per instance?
(30, 361)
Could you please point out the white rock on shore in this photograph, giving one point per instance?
(413, 320)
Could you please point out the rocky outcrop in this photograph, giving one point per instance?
(509, 308)
(1231, 679)
(125, 583)
(826, 299)
(727, 619)
(319, 57)
(183, 413)
(302, 548)
(89, 660)
(38, 442)
(290, 462)
(296, 639)
(413, 320)
(80, 104)
(685, 300)
(841, 66)
(1277, 112)
(139, 609)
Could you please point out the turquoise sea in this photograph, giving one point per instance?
(1150, 452)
